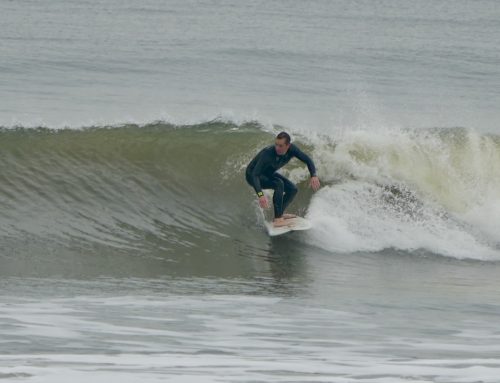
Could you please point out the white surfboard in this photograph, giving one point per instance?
(297, 223)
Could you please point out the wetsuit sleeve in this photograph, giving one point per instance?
(256, 172)
(305, 159)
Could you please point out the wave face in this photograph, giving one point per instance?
(177, 194)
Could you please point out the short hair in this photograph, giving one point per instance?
(284, 135)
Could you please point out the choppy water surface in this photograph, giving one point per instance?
(131, 247)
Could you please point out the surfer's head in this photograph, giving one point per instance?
(282, 143)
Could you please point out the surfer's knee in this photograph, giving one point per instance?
(279, 186)
(291, 189)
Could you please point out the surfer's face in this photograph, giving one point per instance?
(281, 146)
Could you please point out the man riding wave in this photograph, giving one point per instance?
(261, 173)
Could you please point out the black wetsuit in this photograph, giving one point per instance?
(261, 174)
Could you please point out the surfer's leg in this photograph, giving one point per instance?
(278, 187)
(290, 191)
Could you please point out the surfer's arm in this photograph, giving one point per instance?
(305, 159)
(255, 176)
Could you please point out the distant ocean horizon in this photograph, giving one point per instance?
(316, 66)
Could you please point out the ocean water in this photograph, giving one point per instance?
(132, 248)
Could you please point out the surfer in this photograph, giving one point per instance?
(261, 174)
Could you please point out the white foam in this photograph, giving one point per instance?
(393, 188)
(231, 338)
(355, 216)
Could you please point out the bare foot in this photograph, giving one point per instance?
(279, 222)
(289, 216)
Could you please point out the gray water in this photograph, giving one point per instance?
(131, 247)
(314, 65)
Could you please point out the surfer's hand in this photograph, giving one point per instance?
(263, 202)
(315, 185)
